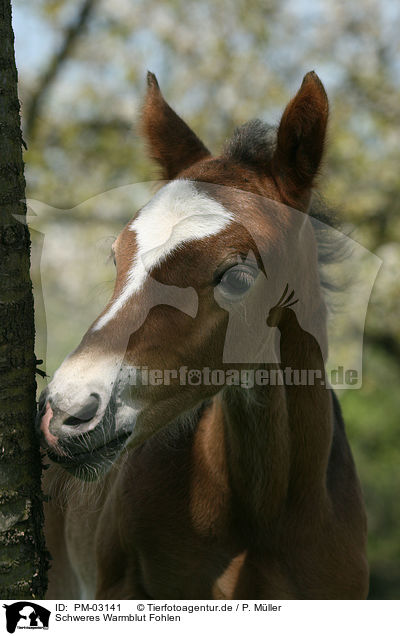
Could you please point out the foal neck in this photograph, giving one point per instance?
(276, 445)
(257, 446)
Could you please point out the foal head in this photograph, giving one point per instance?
(210, 254)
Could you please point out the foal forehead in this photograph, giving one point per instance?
(177, 214)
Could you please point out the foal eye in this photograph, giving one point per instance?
(237, 280)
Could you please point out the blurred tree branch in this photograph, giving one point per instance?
(71, 34)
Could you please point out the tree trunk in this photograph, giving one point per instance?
(23, 558)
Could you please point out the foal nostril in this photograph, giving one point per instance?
(86, 412)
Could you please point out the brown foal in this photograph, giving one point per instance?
(182, 489)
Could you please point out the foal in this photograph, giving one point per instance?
(206, 488)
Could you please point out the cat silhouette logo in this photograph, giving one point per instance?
(26, 615)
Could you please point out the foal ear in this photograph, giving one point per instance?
(171, 142)
(301, 137)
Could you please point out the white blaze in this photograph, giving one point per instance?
(177, 214)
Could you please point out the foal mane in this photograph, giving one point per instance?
(254, 144)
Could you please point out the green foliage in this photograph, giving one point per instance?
(372, 417)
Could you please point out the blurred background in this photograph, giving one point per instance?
(82, 67)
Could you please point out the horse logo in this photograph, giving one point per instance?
(26, 615)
